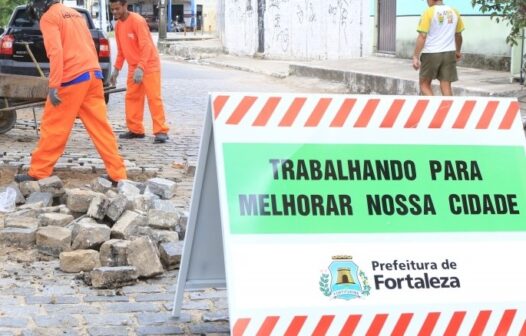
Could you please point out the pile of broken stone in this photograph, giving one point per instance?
(110, 235)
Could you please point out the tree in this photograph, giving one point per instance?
(6, 8)
(511, 11)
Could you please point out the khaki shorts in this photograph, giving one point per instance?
(441, 66)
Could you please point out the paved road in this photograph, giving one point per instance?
(36, 298)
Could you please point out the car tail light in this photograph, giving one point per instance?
(104, 47)
(6, 45)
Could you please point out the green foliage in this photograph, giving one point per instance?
(324, 284)
(6, 8)
(512, 12)
(366, 287)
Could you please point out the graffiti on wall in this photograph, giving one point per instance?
(241, 32)
(280, 33)
(311, 29)
(239, 10)
(305, 12)
(310, 17)
(276, 4)
(339, 15)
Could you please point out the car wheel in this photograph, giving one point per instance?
(7, 118)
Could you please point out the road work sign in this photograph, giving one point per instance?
(363, 214)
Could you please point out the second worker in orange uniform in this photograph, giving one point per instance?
(135, 45)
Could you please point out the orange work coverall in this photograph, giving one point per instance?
(135, 45)
(74, 69)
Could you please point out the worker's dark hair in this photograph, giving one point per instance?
(123, 2)
(36, 8)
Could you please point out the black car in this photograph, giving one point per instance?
(15, 59)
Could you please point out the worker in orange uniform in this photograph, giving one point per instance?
(135, 45)
(75, 90)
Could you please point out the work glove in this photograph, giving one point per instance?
(113, 77)
(53, 97)
(138, 75)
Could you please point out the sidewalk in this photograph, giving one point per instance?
(368, 75)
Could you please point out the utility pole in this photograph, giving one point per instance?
(103, 14)
(162, 21)
(193, 13)
(261, 27)
(169, 21)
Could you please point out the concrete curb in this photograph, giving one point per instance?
(210, 52)
(365, 83)
(246, 68)
(189, 51)
(211, 56)
(188, 38)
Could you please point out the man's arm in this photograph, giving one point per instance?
(146, 46)
(458, 46)
(55, 53)
(423, 28)
(458, 35)
(420, 42)
(119, 61)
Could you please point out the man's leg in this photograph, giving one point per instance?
(428, 71)
(152, 86)
(445, 87)
(55, 128)
(134, 105)
(425, 87)
(447, 72)
(93, 115)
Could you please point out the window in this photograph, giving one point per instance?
(21, 19)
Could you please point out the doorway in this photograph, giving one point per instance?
(199, 16)
(178, 13)
(387, 26)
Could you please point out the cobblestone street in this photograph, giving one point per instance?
(36, 298)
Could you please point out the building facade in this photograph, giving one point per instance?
(192, 14)
(393, 27)
(295, 29)
(198, 14)
(339, 29)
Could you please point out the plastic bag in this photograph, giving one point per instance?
(8, 200)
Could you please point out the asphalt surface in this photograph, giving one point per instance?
(36, 298)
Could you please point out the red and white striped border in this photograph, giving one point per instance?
(257, 111)
(484, 322)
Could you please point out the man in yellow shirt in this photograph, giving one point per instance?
(438, 45)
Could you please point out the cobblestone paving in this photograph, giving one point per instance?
(36, 298)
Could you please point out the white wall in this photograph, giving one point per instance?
(299, 29)
(482, 36)
(220, 20)
(241, 26)
(209, 14)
